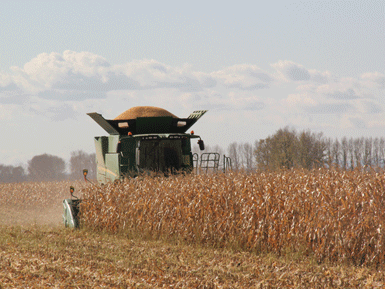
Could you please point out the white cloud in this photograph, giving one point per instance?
(149, 72)
(5, 81)
(48, 68)
(320, 77)
(60, 88)
(349, 99)
(292, 71)
(79, 76)
(7, 111)
(244, 77)
(374, 79)
(301, 99)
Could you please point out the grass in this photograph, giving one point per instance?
(38, 256)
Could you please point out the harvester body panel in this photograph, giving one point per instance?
(103, 123)
(70, 214)
(158, 144)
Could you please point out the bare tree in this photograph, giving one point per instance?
(311, 150)
(376, 151)
(80, 160)
(46, 168)
(344, 153)
(351, 153)
(217, 149)
(382, 151)
(5, 174)
(246, 152)
(262, 154)
(335, 151)
(11, 174)
(358, 151)
(329, 154)
(284, 148)
(368, 147)
(234, 155)
(287, 149)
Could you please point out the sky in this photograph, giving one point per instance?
(256, 66)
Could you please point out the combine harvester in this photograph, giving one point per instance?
(144, 139)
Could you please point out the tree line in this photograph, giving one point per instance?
(285, 149)
(288, 149)
(48, 167)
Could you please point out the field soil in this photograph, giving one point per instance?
(42, 216)
(45, 257)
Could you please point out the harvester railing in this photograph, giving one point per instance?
(226, 164)
(209, 162)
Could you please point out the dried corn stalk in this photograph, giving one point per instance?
(331, 214)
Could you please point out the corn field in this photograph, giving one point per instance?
(332, 215)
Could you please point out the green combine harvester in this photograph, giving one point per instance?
(140, 140)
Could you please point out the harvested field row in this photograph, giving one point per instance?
(332, 215)
(41, 257)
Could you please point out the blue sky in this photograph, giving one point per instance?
(257, 67)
